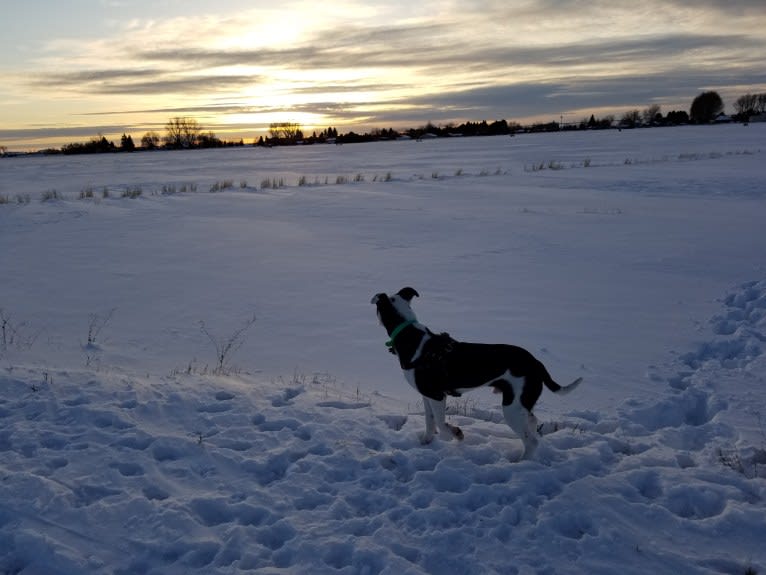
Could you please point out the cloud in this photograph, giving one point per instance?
(443, 51)
(141, 82)
(722, 6)
(394, 64)
(66, 132)
(414, 48)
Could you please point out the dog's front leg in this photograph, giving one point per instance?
(438, 412)
(428, 435)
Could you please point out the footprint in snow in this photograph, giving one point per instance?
(219, 407)
(738, 341)
(695, 501)
(235, 445)
(128, 469)
(89, 494)
(300, 430)
(74, 402)
(286, 396)
(57, 462)
(393, 422)
(692, 407)
(372, 444)
(154, 493)
(342, 404)
(647, 483)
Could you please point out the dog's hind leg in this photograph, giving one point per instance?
(436, 412)
(524, 423)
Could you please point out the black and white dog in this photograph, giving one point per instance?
(437, 365)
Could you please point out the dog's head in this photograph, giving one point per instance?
(395, 309)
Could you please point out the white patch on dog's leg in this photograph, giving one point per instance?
(439, 410)
(532, 434)
(532, 424)
(428, 434)
(520, 420)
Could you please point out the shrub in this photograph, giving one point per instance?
(225, 346)
(132, 193)
(222, 185)
(272, 183)
(14, 334)
(96, 323)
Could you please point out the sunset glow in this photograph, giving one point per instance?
(111, 67)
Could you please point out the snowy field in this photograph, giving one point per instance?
(633, 259)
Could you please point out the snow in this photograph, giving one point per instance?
(633, 259)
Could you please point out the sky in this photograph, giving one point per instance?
(70, 70)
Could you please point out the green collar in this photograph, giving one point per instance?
(398, 330)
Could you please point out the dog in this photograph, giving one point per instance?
(437, 365)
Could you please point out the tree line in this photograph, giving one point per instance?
(705, 108)
(750, 105)
(187, 133)
(180, 133)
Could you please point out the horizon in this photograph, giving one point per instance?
(108, 67)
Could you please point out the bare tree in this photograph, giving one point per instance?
(650, 114)
(745, 105)
(750, 104)
(631, 118)
(225, 346)
(14, 334)
(150, 140)
(286, 131)
(182, 132)
(96, 323)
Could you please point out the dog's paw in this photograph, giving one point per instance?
(456, 432)
(425, 437)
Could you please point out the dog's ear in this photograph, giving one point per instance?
(407, 293)
(376, 297)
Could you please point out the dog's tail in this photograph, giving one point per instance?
(558, 389)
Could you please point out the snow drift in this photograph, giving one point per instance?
(127, 454)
